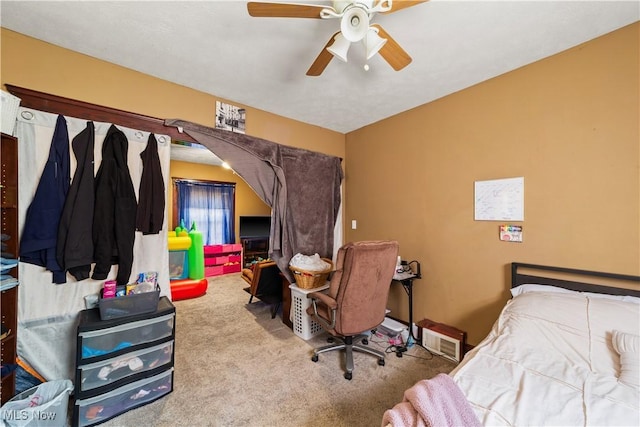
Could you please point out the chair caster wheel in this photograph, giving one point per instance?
(314, 358)
(381, 362)
(365, 341)
(348, 375)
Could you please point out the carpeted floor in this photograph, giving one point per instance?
(235, 366)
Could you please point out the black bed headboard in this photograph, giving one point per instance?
(537, 275)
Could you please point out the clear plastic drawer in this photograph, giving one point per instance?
(106, 406)
(101, 342)
(106, 372)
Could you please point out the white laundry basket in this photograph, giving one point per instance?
(303, 325)
(44, 405)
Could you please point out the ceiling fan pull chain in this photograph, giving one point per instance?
(365, 41)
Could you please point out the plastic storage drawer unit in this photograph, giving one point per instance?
(123, 363)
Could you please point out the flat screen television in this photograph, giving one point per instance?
(255, 226)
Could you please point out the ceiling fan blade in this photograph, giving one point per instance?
(284, 10)
(392, 52)
(322, 60)
(397, 5)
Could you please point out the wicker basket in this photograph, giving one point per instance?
(307, 279)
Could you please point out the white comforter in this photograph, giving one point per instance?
(549, 360)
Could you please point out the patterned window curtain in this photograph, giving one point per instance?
(210, 205)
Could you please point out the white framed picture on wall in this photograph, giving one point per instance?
(230, 117)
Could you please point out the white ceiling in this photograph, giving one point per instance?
(217, 48)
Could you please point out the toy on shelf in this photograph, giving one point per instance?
(186, 263)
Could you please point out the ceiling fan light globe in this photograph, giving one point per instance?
(340, 47)
(354, 24)
(373, 43)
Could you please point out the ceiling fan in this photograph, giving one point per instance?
(355, 26)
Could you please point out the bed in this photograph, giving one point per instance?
(564, 351)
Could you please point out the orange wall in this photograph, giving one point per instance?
(568, 124)
(247, 202)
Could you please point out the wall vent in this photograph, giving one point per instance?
(442, 345)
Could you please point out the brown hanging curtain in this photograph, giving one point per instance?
(302, 188)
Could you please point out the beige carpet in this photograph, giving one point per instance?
(235, 366)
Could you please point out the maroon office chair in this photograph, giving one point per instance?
(356, 300)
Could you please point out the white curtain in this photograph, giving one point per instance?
(47, 312)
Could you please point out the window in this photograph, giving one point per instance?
(209, 205)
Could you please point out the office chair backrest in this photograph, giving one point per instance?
(360, 284)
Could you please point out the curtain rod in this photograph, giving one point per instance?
(84, 110)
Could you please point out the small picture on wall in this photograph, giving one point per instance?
(511, 233)
(230, 117)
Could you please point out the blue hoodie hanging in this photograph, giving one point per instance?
(40, 233)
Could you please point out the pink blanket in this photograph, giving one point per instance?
(437, 402)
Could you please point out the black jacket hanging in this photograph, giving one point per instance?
(150, 216)
(40, 232)
(75, 238)
(114, 218)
